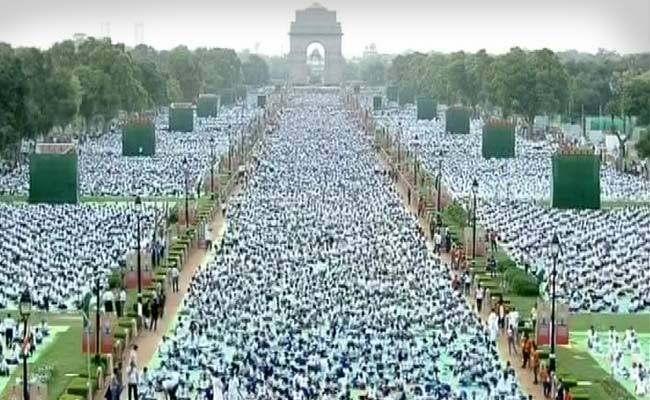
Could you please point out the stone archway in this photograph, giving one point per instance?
(315, 24)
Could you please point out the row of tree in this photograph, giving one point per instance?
(529, 83)
(91, 81)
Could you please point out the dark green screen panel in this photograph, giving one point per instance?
(139, 139)
(498, 140)
(207, 105)
(426, 108)
(576, 181)
(261, 101)
(54, 178)
(376, 102)
(181, 118)
(457, 120)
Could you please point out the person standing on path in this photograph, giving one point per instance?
(121, 303)
(133, 379)
(479, 298)
(174, 274)
(154, 314)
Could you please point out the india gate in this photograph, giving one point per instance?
(317, 26)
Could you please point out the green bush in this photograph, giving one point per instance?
(115, 279)
(77, 386)
(68, 396)
(521, 283)
(126, 323)
(132, 314)
(121, 333)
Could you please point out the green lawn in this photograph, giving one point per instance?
(602, 322)
(63, 355)
(581, 366)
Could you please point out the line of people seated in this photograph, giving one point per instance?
(11, 347)
(628, 356)
(526, 177)
(324, 288)
(605, 255)
(103, 171)
(54, 250)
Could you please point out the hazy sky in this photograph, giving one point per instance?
(444, 25)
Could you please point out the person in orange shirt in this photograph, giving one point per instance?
(546, 381)
(567, 395)
(534, 361)
(526, 348)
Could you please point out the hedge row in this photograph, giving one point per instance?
(77, 388)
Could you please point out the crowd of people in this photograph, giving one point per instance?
(627, 355)
(526, 177)
(103, 171)
(323, 287)
(603, 265)
(56, 251)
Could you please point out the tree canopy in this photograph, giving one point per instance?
(89, 82)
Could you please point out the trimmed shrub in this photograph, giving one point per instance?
(77, 386)
(121, 333)
(68, 396)
(522, 284)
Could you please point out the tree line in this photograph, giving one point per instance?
(87, 83)
(530, 83)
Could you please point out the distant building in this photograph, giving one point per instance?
(370, 50)
(78, 38)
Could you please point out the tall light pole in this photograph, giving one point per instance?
(186, 173)
(555, 252)
(138, 208)
(474, 195)
(25, 309)
(399, 146)
(229, 151)
(97, 309)
(439, 182)
(212, 168)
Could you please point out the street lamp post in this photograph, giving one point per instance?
(25, 309)
(229, 151)
(399, 147)
(212, 168)
(439, 183)
(474, 195)
(555, 252)
(186, 172)
(97, 308)
(138, 208)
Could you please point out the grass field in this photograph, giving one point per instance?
(579, 342)
(63, 355)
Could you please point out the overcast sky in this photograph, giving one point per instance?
(443, 25)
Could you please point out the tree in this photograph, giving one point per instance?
(255, 71)
(636, 97)
(90, 81)
(373, 71)
(221, 69)
(185, 68)
(643, 145)
(278, 67)
(151, 75)
(65, 87)
(529, 83)
(37, 71)
(12, 102)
